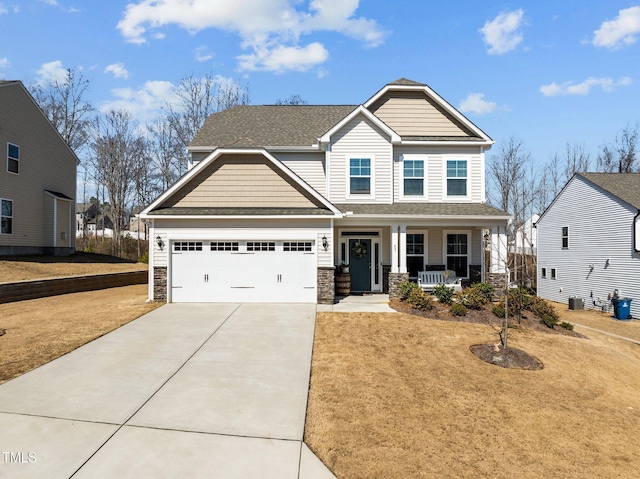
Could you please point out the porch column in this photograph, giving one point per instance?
(403, 248)
(498, 249)
(394, 249)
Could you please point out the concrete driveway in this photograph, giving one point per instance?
(188, 390)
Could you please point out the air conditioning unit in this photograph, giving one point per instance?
(576, 303)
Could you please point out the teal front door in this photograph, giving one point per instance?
(360, 264)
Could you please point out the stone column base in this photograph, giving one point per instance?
(160, 283)
(394, 280)
(499, 281)
(326, 285)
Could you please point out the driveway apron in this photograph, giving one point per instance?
(188, 390)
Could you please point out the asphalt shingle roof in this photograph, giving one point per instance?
(248, 126)
(625, 186)
(423, 209)
(182, 211)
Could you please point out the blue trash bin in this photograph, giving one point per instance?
(622, 308)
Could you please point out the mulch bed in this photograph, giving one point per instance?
(483, 316)
(510, 358)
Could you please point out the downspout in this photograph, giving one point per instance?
(636, 233)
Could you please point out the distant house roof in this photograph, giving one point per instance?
(625, 186)
(269, 125)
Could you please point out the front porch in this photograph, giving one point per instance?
(381, 255)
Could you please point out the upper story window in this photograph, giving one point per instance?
(13, 158)
(456, 177)
(565, 237)
(360, 176)
(6, 217)
(413, 172)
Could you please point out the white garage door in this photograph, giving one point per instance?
(243, 271)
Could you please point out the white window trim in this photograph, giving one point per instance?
(425, 256)
(562, 237)
(372, 183)
(425, 163)
(15, 159)
(13, 215)
(469, 247)
(554, 274)
(543, 273)
(454, 198)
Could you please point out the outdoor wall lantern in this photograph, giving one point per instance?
(159, 242)
(325, 243)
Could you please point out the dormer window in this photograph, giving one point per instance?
(360, 176)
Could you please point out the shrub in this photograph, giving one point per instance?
(471, 298)
(420, 300)
(498, 310)
(405, 289)
(458, 309)
(443, 293)
(486, 289)
(567, 326)
(144, 258)
(547, 313)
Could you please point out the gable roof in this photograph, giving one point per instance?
(248, 126)
(326, 138)
(164, 204)
(625, 186)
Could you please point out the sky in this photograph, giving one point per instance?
(546, 72)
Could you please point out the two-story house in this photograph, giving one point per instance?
(278, 196)
(37, 179)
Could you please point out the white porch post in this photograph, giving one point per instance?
(403, 248)
(482, 255)
(394, 248)
(498, 249)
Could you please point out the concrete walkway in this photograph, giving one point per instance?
(365, 303)
(188, 390)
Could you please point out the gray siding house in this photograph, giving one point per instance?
(589, 240)
(37, 179)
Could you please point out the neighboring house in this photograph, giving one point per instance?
(278, 196)
(589, 240)
(526, 238)
(37, 179)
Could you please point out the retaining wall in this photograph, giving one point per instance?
(21, 290)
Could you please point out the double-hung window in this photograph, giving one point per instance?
(360, 176)
(565, 237)
(413, 177)
(13, 158)
(6, 217)
(415, 254)
(456, 177)
(457, 253)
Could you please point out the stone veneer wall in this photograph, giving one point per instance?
(326, 285)
(394, 280)
(498, 280)
(386, 269)
(160, 283)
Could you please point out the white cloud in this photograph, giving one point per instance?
(282, 58)
(3, 9)
(51, 72)
(270, 29)
(203, 54)
(53, 3)
(622, 31)
(144, 102)
(4, 63)
(570, 88)
(502, 34)
(118, 70)
(475, 103)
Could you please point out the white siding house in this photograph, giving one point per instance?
(586, 241)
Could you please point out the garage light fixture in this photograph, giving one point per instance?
(325, 243)
(159, 242)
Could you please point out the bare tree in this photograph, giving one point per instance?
(576, 160)
(195, 98)
(294, 99)
(621, 156)
(63, 103)
(116, 148)
(165, 150)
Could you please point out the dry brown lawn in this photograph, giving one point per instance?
(19, 268)
(40, 330)
(599, 320)
(398, 396)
